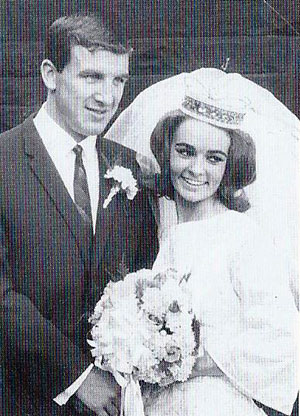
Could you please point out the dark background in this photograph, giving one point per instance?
(168, 36)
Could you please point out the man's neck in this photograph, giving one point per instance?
(52, 112)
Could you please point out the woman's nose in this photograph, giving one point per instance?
(197, 166)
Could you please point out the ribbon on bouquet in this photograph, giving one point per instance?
(131, 396)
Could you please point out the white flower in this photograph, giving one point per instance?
(143, 326)
(124, 182)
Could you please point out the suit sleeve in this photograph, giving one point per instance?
(147, 247)
(146, 229)
(35, 352)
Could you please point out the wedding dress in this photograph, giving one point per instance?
(247, 317)
(239, 280)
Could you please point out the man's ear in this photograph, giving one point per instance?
(49, 74)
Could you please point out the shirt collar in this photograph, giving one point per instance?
(56, 138)
(89, 144)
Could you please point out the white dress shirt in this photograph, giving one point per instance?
(59, 145)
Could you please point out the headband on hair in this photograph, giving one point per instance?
(225, 100)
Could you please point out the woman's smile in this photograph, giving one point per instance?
(198, 159)
(193, 182)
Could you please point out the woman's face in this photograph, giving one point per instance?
(198, 159)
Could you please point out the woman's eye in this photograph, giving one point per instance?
(186, 151)
(216, 158)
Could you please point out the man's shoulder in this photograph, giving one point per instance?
(116, 154)
(115, 149)
(10, 138)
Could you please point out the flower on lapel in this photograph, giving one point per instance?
(124, 182)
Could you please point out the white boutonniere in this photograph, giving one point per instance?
(125, 182)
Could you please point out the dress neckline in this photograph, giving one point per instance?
(213, 218)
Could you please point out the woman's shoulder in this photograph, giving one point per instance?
(231, 230)
(246, 232)
(226, 222)
(241, 223)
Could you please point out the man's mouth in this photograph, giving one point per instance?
(193, 182)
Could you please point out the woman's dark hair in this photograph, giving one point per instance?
(88, 31)
(240, 168)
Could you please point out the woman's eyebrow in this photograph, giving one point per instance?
(184, 144)
(218, 151)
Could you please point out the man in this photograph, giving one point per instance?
(58, 245)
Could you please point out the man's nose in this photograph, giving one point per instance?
(105, 94)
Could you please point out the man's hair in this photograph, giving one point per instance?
(85, 30)
(240, 168)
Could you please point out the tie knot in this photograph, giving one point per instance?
(77, 150)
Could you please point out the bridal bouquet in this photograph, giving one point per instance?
(144, 329)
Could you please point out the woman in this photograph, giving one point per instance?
(238, 281)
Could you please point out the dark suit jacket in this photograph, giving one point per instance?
(52, 270)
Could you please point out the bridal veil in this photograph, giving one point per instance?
(274, 195)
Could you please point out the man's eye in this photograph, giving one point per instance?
(120, 80)
(90, 77)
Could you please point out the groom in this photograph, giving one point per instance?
(58, 246)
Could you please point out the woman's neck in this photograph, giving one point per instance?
(196, 211)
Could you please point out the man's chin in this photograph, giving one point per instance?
(94, 130)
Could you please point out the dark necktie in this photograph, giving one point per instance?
(81, 189)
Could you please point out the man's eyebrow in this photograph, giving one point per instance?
(92, 72)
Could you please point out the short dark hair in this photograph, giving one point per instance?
(88, 31)
(240, 168)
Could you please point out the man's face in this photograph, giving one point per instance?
(88, 90)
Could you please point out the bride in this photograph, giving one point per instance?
(239, 275)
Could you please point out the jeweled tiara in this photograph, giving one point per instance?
(210, 112)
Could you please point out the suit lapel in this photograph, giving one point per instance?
(44, 169)
(112, 222)
(118, 228)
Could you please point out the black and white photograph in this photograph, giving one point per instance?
(149, 207)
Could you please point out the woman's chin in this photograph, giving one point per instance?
(193, 193)
(193, 197)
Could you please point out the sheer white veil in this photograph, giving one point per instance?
(274, 196)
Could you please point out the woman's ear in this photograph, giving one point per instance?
(49, 74)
